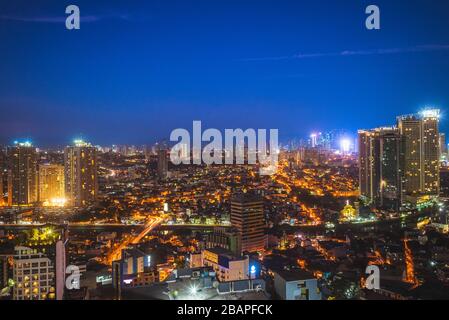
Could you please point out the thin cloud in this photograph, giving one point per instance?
(47, 19)
(423, 48)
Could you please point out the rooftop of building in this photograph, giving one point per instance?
(295, 275)
(132, 252)
(246, 197)
(189, 273)
(81, 143)
(219, 250)
(397, 286)
(225, 256)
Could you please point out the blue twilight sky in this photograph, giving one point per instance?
(136, 70)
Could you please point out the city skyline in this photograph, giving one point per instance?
(238, 151)
(346, 137)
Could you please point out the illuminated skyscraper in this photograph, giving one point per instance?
(247, 216)
(380, 158)
(431, 152)
(403, 162)
(22, 174)
(410, 127)
(81, 183)
(368, 182)
(421, 153)
(51, 184)
(390, 167)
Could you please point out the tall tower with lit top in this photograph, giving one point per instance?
(421, 152)
(22, 174)
(80, 168)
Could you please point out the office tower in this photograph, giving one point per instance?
(421, 153)
(81, 183)
(162, 163)
(443, 145)
(51, 184)
(247, 216)
(380, 172)
(22, 174)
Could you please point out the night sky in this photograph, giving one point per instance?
(136, 70)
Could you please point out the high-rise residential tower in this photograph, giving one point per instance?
(22, 174)
(366, 172)
(403, 162)
(411, 129)
(51, 184)
(81, 182)
(390, 151)
(380, 158)
(421, 153)
(431, 151)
